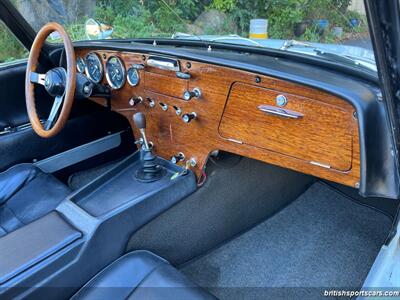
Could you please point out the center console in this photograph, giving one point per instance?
(58, 253)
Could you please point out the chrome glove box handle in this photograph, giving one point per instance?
(280, 112)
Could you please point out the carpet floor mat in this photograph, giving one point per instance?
(322, 240)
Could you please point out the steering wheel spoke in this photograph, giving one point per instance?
(38, 78)
(54, 113)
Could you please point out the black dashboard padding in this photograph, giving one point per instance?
(33, 243)
(140, 275)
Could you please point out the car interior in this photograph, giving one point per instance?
(180, 172)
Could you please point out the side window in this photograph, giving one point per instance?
(10, 48)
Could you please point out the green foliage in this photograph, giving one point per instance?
(10, 47)
(162, 18)
(136, 19)
(76, 32)
(311, 35)
(224, 5)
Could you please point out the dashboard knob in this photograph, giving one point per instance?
(196, 93)
(177, 158)
(189, 117)
(134, 101)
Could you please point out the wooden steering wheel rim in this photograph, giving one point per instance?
(69, 86)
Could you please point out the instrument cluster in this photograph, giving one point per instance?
(115, 71)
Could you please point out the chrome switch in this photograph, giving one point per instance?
(135, 100)
(152, 103)
(196, 93)
(163, 106)
(177, 158)
(187, 118)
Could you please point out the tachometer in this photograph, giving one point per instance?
(94, 67)
(80, 65)
(115, 72)
(133, 76)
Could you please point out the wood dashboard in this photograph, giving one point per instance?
(308, 130)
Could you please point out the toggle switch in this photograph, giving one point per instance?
(187, 118)
(177, 158)
(152, 103)
(163, 106)
(178, 111)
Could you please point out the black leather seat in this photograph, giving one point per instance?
(140, 275)
(26, 194)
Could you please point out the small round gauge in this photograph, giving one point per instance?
(115, 72)
(94, 67)
(80, 65)
(133, 76)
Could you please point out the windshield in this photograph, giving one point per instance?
(305, 26)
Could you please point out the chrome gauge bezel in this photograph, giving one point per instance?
(94, 54)
(137, 75)
(78, 61)
(115, 87)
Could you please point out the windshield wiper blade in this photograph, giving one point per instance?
(340, 58)
(180, 35)
(290, 43)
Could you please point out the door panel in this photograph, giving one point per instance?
(12, 96)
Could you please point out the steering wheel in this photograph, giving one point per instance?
(58, 82)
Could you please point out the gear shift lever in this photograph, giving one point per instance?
(149, 171)
(140, 122)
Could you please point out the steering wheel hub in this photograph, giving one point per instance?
(55, 81)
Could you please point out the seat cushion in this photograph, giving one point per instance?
(26, 194)
(140, 275)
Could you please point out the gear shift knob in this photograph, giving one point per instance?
(140, 120)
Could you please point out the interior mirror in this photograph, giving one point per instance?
(96, 31)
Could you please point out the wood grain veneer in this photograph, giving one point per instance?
(331, 130)
(167, 85)
(309, 138)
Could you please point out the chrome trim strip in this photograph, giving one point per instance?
(320, 164)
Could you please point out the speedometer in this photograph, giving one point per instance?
(94, 67)
(115, 72)
(133, 76)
